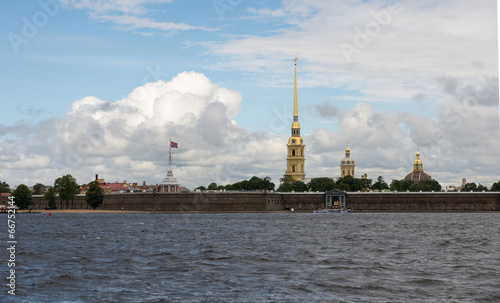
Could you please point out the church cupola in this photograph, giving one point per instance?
(418, 174)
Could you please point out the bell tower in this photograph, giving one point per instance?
(347, 164)
(295, 159)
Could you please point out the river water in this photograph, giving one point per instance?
(255, 257)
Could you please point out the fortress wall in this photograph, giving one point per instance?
(302, 201)
(206, 201)
(424, 201)
(257, 201)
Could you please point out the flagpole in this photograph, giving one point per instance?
(170, 154)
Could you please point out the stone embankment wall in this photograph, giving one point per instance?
(209, 201)
(439, 201)
(256, 201)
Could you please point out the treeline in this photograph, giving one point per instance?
(255, 183)
(64, 187)
(347, 183)
(351, 184)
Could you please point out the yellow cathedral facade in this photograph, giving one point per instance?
(295, 159)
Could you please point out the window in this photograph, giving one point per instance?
(293, 152)
(293, 168)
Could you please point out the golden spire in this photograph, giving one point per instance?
(295, 110)
(295, 124)
(417, 165)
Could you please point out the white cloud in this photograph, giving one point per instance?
(396, 54)
(128, 139)
(125, 14)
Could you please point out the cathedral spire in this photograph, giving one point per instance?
(295, 109)
(295, 147)
(295, 124)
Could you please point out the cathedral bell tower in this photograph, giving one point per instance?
(347, 165)
(295, 148)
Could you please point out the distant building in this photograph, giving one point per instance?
(347, 165)
(108, 188)
(418, 174)
(295, 159)
(170, 184)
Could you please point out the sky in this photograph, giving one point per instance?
(100, 87)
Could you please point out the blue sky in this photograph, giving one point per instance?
(385, 76)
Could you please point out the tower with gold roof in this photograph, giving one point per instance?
(418, 174)
(347, 164)
(295, 159)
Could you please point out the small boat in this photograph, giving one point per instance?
(332, 210)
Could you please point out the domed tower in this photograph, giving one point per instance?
(347, 164)
(418, 174)
(295, 148)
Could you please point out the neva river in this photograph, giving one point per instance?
(255, 257)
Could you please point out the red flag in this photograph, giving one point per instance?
(173, 144)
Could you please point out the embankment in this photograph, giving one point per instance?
(257, 201)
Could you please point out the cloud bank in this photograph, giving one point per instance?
(128, 139)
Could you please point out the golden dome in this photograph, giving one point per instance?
(418, 174)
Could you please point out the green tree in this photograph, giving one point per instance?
(397, 185)
(4, 187)
(348, 183)
(482, 187)
(286, 184)
(22, 196)
(202, 188)
(212, 186)
(255, 183)
(50, 196)
(38, 189)
(495, 186)
(433, 185)
(285, 187)
(322, 184)
(67, 188)
(299, 186)
(267, 184)
(344, 187)
(429, 185)
(400, 185)
(469, 187)
(365, 183)
(94, 195)
(380, 184)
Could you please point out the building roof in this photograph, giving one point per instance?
(418, 176)
(114, 187)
